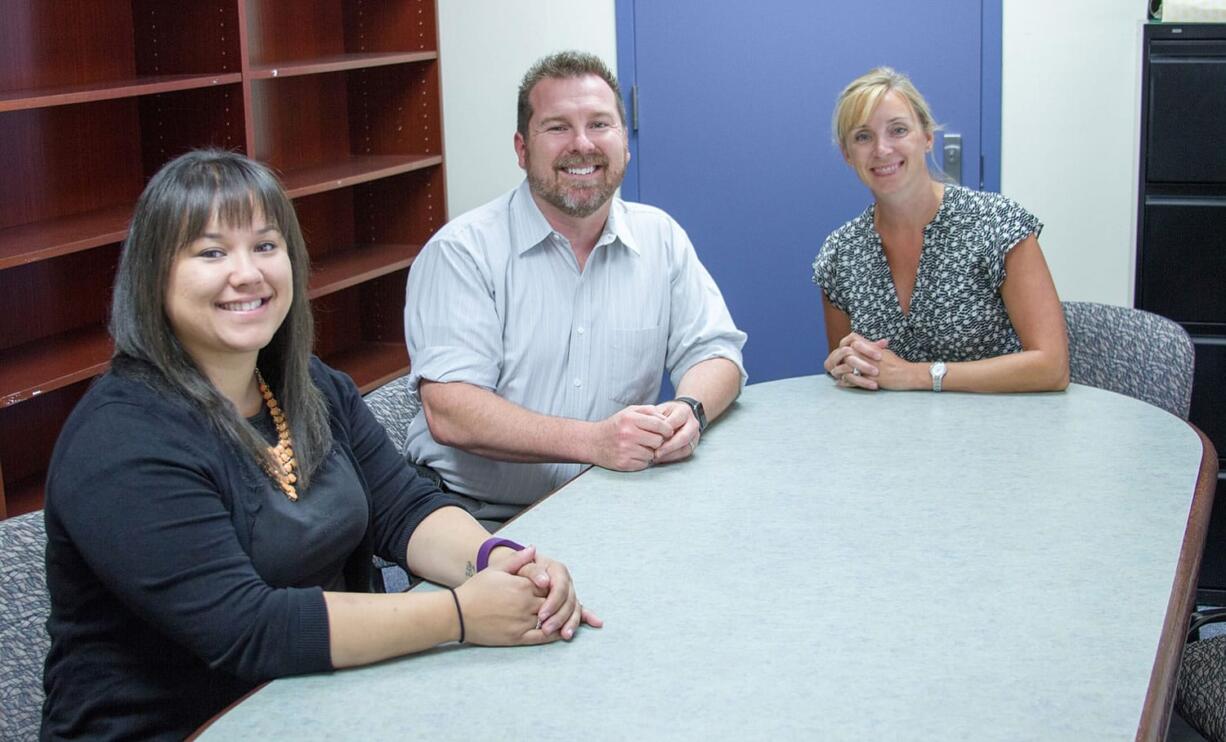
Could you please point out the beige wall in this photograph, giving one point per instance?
(1069, 136)
(486, 46)
(1069, 112)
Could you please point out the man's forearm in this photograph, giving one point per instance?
(715, 382)
(478, 421)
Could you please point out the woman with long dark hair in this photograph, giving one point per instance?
(214, 500)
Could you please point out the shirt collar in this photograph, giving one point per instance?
(530, 228)
(617, 227)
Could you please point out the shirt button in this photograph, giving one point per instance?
(580, 330)
(578, 382)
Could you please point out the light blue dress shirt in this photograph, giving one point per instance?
(496, 299)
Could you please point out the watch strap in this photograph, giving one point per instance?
(696, 407)
(483, 554)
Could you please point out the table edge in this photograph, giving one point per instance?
(1160, 695)
(229, 707)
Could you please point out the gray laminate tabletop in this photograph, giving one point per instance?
(831, 564)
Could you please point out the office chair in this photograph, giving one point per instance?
(1151, 358)
(394, 408)
(1201, 696)
(24, 606)
(1132, 352)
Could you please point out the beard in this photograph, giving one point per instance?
(574, 200)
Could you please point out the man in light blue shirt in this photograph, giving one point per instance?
(539, 325)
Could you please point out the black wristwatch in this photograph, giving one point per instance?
(699, 413)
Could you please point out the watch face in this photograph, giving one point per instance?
(937, 370)
(699, 413)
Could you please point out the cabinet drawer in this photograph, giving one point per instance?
(1183, 259)
(1213, 562)
(1187, 104)
(1209, 390)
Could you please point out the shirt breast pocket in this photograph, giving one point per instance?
(636, 365)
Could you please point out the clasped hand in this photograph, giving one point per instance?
(522, 598)
(867, 364)
(641, 435)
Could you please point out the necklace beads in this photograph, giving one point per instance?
(284, 463)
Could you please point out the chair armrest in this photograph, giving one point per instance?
(1200, 619)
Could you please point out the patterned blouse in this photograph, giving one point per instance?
(956, 313)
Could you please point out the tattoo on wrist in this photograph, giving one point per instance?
(470, 569)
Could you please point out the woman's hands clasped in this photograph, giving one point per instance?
(870, 364)
(522, 598)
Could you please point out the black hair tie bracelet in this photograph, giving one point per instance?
(459, 613)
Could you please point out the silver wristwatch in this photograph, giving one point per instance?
(937, 370)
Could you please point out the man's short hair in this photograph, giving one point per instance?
(561, 66)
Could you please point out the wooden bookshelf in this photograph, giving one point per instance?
(340, 97)
(352, 266)
(339, 63)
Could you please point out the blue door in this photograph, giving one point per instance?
(732, 104)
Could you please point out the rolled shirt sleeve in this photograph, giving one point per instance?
(452, 328)
(700, 326)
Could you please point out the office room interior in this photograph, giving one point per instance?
(1060, 132)
(1069, 144)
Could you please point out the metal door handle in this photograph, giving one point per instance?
(952, 151)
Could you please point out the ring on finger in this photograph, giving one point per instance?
(855, 372)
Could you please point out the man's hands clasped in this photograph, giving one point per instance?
(641, 435)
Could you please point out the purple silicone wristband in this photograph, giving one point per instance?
(483, 554)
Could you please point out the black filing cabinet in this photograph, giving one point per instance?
(1181, 227)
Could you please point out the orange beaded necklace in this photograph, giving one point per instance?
(283, 452)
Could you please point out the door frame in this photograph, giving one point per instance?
(991, 42)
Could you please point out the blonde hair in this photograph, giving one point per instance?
(860, 98)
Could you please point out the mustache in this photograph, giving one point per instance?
(595, 159)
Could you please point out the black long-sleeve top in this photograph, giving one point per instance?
(160, 615)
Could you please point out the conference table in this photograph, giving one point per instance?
(835, 564)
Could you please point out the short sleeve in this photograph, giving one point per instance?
(451, 324)
(825, 273)
(1007, 224)
(700, 325)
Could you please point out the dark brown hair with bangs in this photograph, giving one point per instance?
(175, 209)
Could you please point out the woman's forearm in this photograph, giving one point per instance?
(1027, 371)
(368, 627)
(443, 548)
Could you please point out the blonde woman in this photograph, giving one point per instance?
(933, 286)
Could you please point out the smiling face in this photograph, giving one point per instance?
(229, 290)
(576, 150)
(887, 151)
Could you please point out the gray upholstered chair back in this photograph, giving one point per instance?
(24, 605)
(1132, 352)
(394, 407)
(1201, 696)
